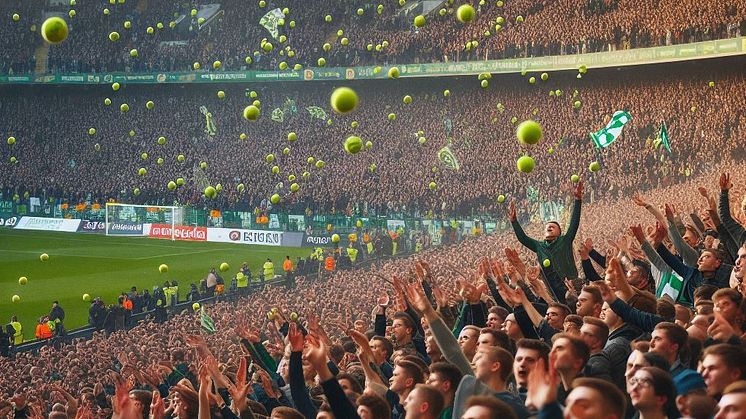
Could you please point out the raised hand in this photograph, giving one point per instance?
(670, 212)
(606, 293)
(315, 352)
(725, 183)
(638, 233)
(614, 273)
(514, 297)
(512, 216)
(577, 193)
(658, 235)
(296, 338)
(471, 293)
(241, 388)
(542, 384)
(157, 408)
(384, 300)
(638, 199)
(720, 329)
(515, 260)
(418, 300)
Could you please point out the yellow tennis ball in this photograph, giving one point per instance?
(344, 100)
(54, 30)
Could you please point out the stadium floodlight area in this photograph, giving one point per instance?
(130, 219)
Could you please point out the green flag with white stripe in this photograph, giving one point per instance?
(612, 130)
(663, 137)
(271, 20)
(671, 284)
(206, 321)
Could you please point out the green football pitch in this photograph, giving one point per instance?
(105, 266)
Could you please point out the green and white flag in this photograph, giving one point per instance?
(209, 121)
(270, 20)
(206, 322)
(278, 115)
(446, 156)
(316, 112)
(671, 284)
(663, 137)
(612, 130)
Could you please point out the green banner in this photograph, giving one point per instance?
(638, 56)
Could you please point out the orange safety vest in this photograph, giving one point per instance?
(329, 263)
(43, 331)
(287, 266)
(127, 304)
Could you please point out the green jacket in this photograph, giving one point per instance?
(559, 251)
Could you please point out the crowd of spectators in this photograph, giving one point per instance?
(377, 342)
(549, 28)
(62, 160)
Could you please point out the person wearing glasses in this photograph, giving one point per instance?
(653, 394)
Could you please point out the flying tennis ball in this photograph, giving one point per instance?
(594, 167)
(210, 192)
(262, 3)
(392, 116)
(344, 100)
(44, 257)
(525, 164)
(142, 171)
(320, 164)
(546, 263)
(180, 158)
(11, 140)
(257, 103)
(115, 86)
(86, 297)
(216, 64)
(310, 160)
(340, 32)
(133, 53)
(582, 69)
(283, 65)
(711, 84)
(394, 72)
(297, 67)
(195, 306)
(144, 156)
(446, 93)
(335, 238)
(54, 30)
(577, 104)
(124, 108)
(149, 104)
(127, 24)
(15, 298)
(241, 187)
(275, 199)
(72, 13)
(558, 92)
(422, 140)
(161, 140)
(519, 19)
(529, 132)
(574, 178)
(270, 158)
(107, 101)
(344, 41)
(294, 187)
(465, 13)
(114, 36)
(292, 136)
(22, 280)
(407, 99)
(91, 131)
(106, 12)
(136, 191)
(432, 186)
(532, 80)
(16, 17)
(291, 24)
(294, 315)
(251, 113)
(321, 62)
(545, 76)
(268, 47)
(180, 181)
(196, 66)
(275, 170)
(419, 21)
(171, 185)
(224, 267)
(150, 30)
(353, 144)
(501, 199)
(484, 84)
(372, 167)
(286, 151)
(368, 145)
(550, 150)
(328, 18)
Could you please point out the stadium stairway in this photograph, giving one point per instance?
(42, 56)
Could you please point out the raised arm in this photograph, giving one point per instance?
(572, 230)
(519, 233)
(736, 230)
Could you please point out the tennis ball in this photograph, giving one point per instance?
(465, 13)
(545, 76)
(294, 187)
(574, 178)
(294, 315)
(335, 238)
(328, 18)
(582, 69)
(270, 158)
(241, 187)
(372, 167)
(72, 13)
(501, 199)
(344, 100)
(577, 104)
(353, 144)
(286, 151)
(22, 280)
(532, 80)
(275, 170)
(432, 186)
(86, 297)
(54, 30)
(217, 64)
(484, 84)
(529, 132)
(210, 192)
(180, 181)
(292, 136)
(594, 166)
(446, 93)
(550, 150)
(394, 72)
(15, 298)
(711, 84)
(195, 306)
(180, 158)
(392, 116)
(422, 140)
(275, 199)
(114, 36)
(340, 32)
(224, 267)
(16, 17)
(257, 103)
(136, 191)
(44, 257)
(407, 99)
(291, 178)
(321, 62)
(268, 47)
(106, 12)
(124, 108)
(149, 104)
(310, 160)
(144, 156)
(161, 140)
(283, 65)
(519, 19)
(525, 164)
(11, 140)
(150, 30)
(546, 263)
(107, 101)
(142, 171)
(91, 131)
(419, 21)
(171, 185)
(320, 164)
(369, 144)
(196, 66)
(251, 113)
(115, 86)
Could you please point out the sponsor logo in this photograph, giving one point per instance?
(308, 74)
(92, 226)
(47, 224)
(318, 240)
(234, 235)
(125, 227)
(10, 222)
(164, 231)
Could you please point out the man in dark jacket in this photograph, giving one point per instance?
(97, 314)
(57, 315)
